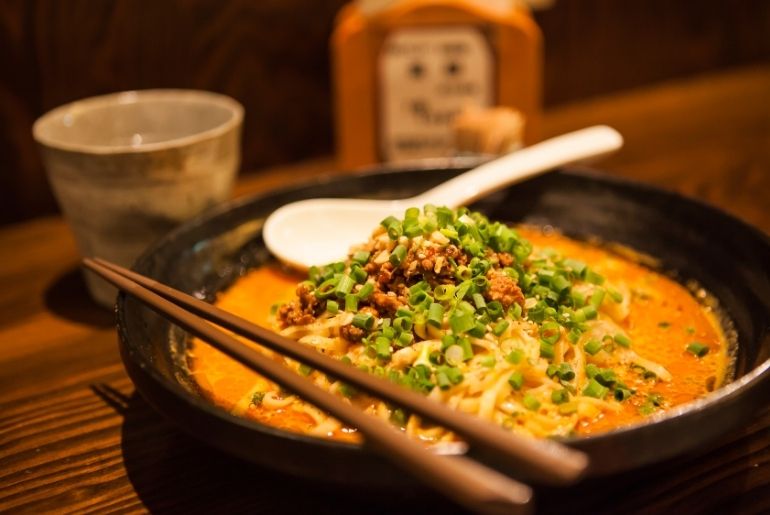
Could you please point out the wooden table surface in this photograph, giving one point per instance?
(76, 437)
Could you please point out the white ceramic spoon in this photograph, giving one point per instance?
(320, 231)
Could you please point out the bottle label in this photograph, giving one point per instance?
(426, 76)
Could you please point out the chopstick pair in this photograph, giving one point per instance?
(476, 486)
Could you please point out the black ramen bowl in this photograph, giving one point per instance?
(692, 240)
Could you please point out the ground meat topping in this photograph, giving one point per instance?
(352, 333)
(301, 311)
(386, 303)
(503, 289)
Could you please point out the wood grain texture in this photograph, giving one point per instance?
(600, 46)
(272, 55)
(76, 438)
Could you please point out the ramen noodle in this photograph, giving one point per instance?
(526, 328)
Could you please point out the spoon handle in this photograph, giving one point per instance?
(591, 142)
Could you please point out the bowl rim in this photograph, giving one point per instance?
(713, 400)
(202, 97)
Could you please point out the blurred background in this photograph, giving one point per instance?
(273, 56)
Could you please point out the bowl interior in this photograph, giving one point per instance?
(692, 241)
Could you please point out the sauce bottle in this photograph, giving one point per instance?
(403, 69)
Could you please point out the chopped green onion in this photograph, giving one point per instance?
(480, 282)
(389, 221)
(550, 332)
(592, 347)
(443, 292)
(402, 324)
(595, 390)
(398, 255)
(623, 340)
(443, 380)
(463, 273)
(344, 286)
(605, 377)
(447, 340)
(530, 402)
(593, 278)
(545, 276)
(578, 299)
(366, 290)
(436, 314)
(515, 356)
(326, 289)
(622, 392)
(351, 302)
(382, 347)
(421, 286)
(361, 257)
(357, 273)
(559, 396)
(462, 290)
(560, 283)
(516, 380)
(412, 228)
(488, 361)
(465, 343)
(565, 372)
(404, 312)
(412, 212)
(546, 350)
(597, 297)
(615, 295)
(405, 339)
(577, 267)
(588, 312)
(347, 390)
(449, 232)
(394, 228)
(419, 298)
(574, 335)
(479, 301)
(698, 349)
(314, 274)
(461, 321)
(495, 309)
(500, 327)
(478, 330)
(332, 306)
(363, 320)
(453, 373)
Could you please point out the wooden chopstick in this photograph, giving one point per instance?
(475, 486)
(544, 460)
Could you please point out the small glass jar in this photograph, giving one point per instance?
(404, 69)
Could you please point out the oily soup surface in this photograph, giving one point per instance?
(663, 319)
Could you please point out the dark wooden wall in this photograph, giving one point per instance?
(272, 56)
